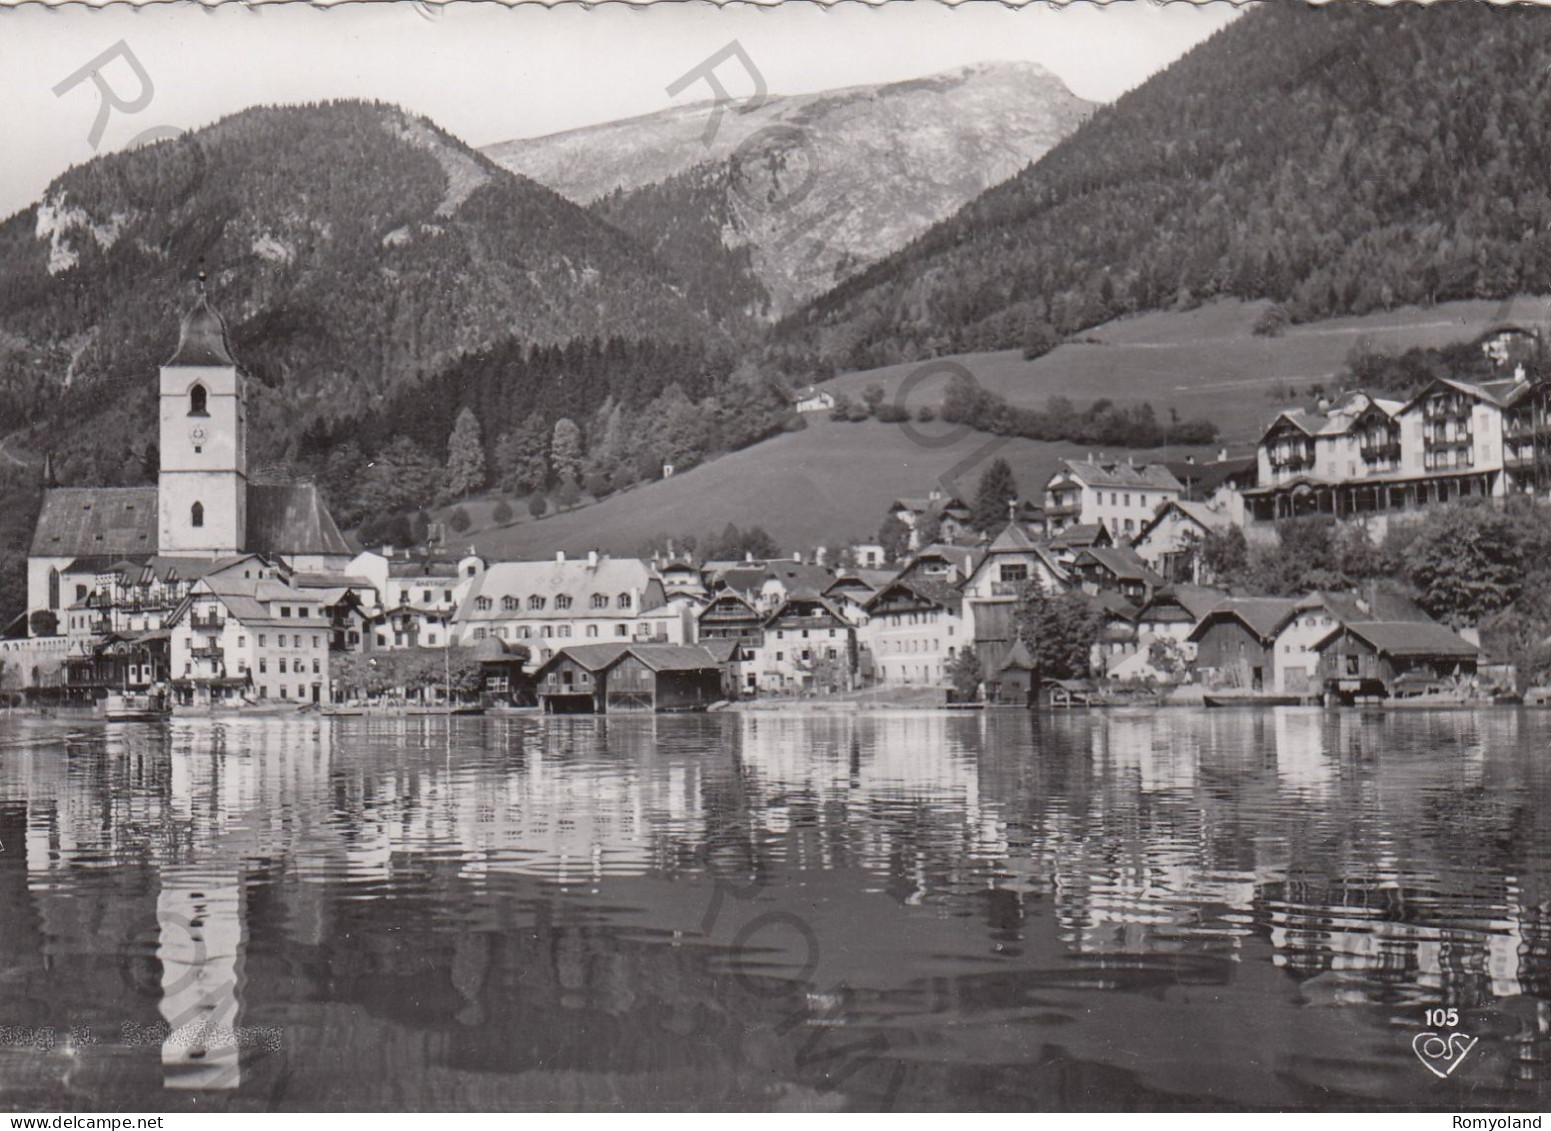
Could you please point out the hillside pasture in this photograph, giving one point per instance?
(1202, 363)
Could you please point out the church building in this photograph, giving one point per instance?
(203, 508)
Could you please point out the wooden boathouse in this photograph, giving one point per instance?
(603, 678)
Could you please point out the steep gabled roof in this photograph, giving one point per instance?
(1407, 638)
(1118, 475)
(938, 593)
(1264, 616)
(673, 657)
(83, 522)
(593, 657)
(1199, 513)
(290, 518)
(1123, 562)
(1017, 658)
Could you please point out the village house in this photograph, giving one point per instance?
(954, 519)
(869, 555)
(615, 678)
(1173, 612)
(991, 592)
(246, 634)
(1236, 641)
(808, 645)
(419, 595)
(916, 629)
(1115, 570)
(1394, 659)
(351, 604)
(1123, 496)
(767, 583)
(1171, 543)
(850, 593)
(814, 400)
(547, 605)
(1218, 484)
(729, 615)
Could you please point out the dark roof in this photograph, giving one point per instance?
(673, 657)
(1264, 616)
(1082, 535)
(492, 650)
(1408, 638)
(723, 651)
(1196, 600)
(939, 593)
(1122, 561)
(80, 522)
(1017, 657)
(290, 518)
(593, 657)
(202, 338)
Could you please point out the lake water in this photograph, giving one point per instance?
(1118, 910)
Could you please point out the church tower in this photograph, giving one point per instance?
(202, 492)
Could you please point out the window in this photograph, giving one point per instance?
(447, 596)
(1014, 571)
(592, 630)
(80, 593)
(285, 611)
(563, 601)
(196, 514)
(317, 667)
(263, 691)
(430, 638)
(263, 641)
(304, 612)
(1352, 663)
(263, 664)
(621, 630)
(197, 396)
(483, 604)
(382, 640)
(525, 633)
(600, 601)
(624, 601)
(301, 691)
(509, 603)
(282, 665)
(242, 641)
(315, 641)
(548, 631)
(564, 630)
(282, 691)
(535, 602)
(479, 634)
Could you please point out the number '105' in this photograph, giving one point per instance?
(1446, 1018)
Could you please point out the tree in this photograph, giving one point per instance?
(872, 397)
(43, 622)
(928, 529)
(1467, 562)
(894, 537)
(522, 457)
(565, 450)
(465, 457)
(401, 477)
(997, 487)
(537, 506)
(502, 514)
(568, 494)
(1167, 657)
(1060, 631)
(460, 520)
(965, 674)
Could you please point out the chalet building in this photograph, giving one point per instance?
(1393, 659)
(548, 605)
(991, 592)
(203, 505)
(869, 555)
(850, 592)
(504, 678)
(1173, 612)
(1236, 641)
(954, 518)
(1122, 496)
(1171, 543)
(419, 595)
(916, 628)
(1371, 459)
(1118, 637)
(605, 678)
(808, 645)
(351, 605)
(1065, 546)
(247, 634)
(729, 615)
(942, 562)
(736, 659)
(1116, 570)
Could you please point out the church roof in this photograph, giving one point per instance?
(90, 522)
(290, 518)
(202, 338)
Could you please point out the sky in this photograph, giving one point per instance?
(489, 73)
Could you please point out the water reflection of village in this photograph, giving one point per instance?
(493, 913)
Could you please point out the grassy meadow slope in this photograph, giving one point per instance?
(827, 483)
(1203, 362)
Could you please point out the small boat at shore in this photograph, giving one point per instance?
(1250, 699)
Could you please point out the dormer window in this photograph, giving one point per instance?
(624, 600)
(600, 601)
(563, 601)
(196, 401)
(535, 602)
(509, 603)
(483, 604)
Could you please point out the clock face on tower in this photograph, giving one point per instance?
(197, 434)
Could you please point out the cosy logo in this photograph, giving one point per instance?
(1441, 1054)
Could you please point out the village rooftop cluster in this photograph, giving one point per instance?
(215, 592)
